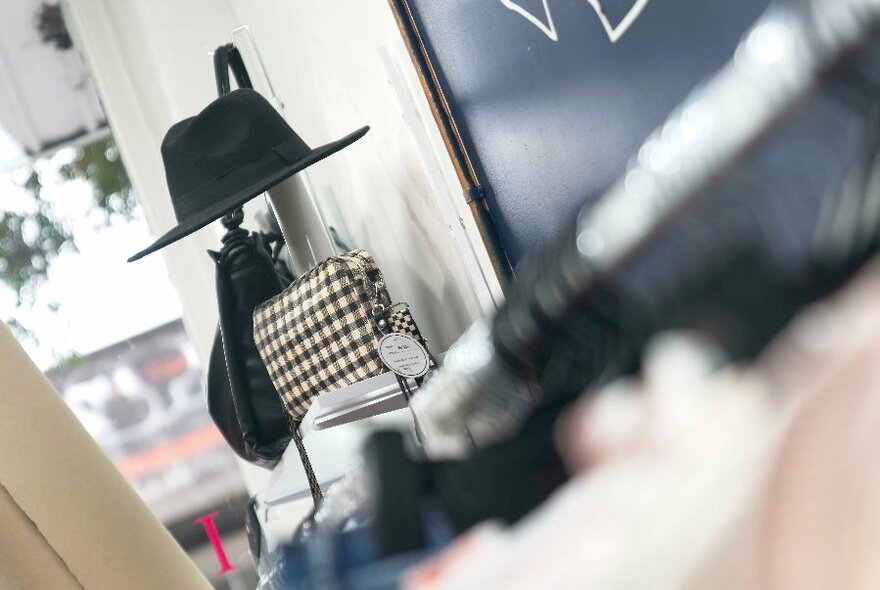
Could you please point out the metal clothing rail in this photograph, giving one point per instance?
(779, 61)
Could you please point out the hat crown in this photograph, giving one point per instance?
(234, 130)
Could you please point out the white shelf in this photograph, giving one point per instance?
(371, 397)
(365, 399)
(285, 499)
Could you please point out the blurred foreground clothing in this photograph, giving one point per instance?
(763, 477)
(350, 560)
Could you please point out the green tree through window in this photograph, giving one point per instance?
(30, 239)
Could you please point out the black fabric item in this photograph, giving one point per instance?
(253, 530)
(235, 149)
(400, 486)
(275, 237)
(222, 408)
(504, 481)
(244, 406)
(501, 482)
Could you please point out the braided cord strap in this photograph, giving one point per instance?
(314, 486)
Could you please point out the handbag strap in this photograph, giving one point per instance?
(314, 486)
(227, 58)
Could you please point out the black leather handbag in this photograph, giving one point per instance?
(241, 398)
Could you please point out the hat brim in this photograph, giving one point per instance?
(239, 187)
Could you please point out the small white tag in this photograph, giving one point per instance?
(404, 355)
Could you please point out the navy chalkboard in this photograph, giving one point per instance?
(550, 98)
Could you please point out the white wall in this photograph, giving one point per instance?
(333, 66)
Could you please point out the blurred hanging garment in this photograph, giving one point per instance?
(731, 479)
(702, 231)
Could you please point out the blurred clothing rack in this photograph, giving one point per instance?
(782, 58)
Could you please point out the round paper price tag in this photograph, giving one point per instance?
(404, 355)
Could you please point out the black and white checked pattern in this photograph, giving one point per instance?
(319, 334)
(402, 322)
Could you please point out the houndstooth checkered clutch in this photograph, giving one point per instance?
(321, 333)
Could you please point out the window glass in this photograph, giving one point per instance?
(110, 338)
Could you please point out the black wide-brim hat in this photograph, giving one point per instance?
(238, 147)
